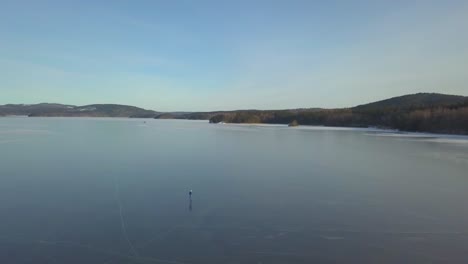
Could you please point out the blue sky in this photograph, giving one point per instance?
(222, 55)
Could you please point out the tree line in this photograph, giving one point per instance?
(452, 118)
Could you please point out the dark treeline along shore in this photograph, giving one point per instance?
(423, 112)
(436, 113)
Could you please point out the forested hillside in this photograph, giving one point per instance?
(436, 113)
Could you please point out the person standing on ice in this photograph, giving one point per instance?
(190, 199)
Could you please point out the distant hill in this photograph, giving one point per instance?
(420, 100)
(95, 110)
(24, 109)
(424, 112)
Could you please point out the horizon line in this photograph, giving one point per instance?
(237, 109)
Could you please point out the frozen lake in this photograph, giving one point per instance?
(84, 190)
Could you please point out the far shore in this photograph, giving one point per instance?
(387, 132)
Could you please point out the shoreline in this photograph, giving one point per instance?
(389, 131)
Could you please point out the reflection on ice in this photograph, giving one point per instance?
(427, 137)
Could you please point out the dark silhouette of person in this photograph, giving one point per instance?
(190, 202)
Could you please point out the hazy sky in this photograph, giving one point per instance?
(214, 55)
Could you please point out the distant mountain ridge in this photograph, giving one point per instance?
(423, 112)
(94, 110)
(415, 101)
